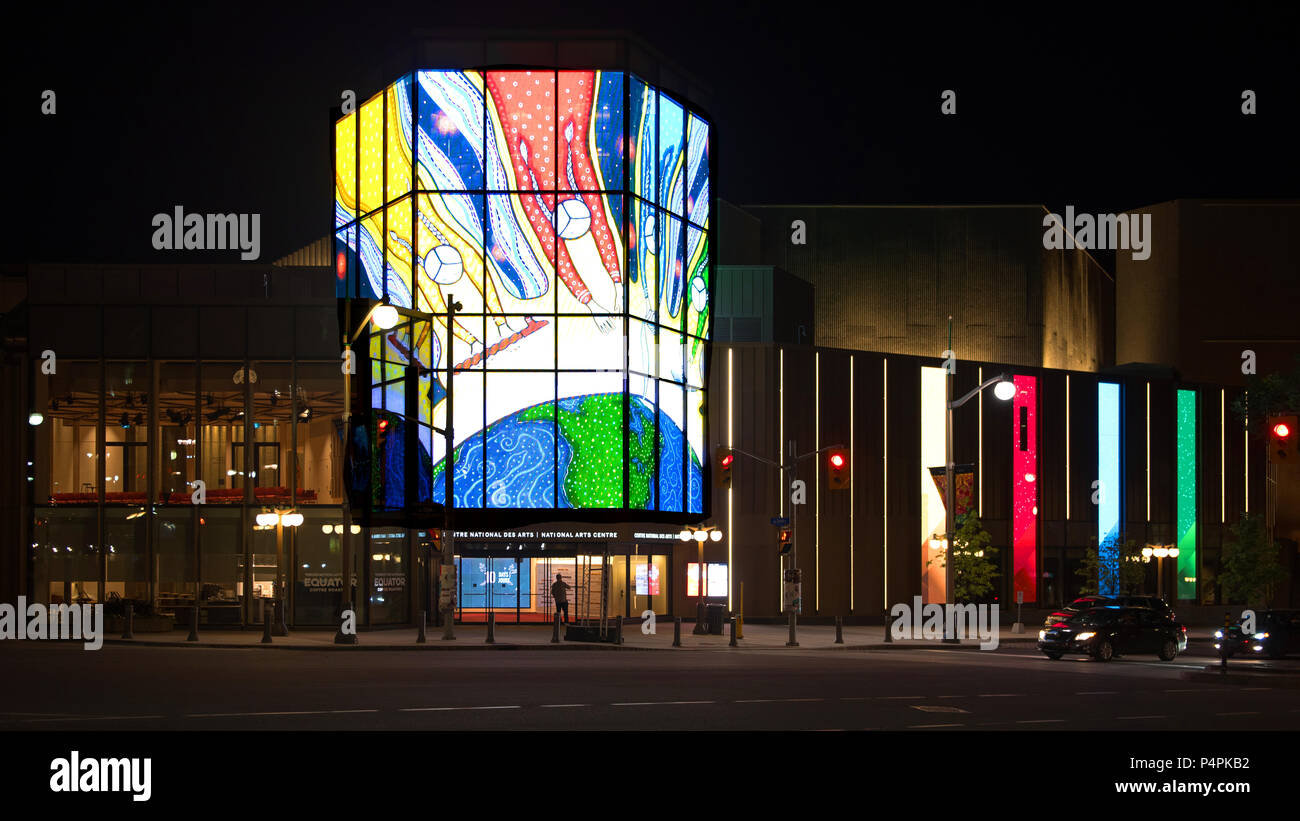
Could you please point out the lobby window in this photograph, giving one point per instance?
(177, 431)
(318, 404)
(127, 390)
(271, 387)
(221, 425)
(67, 445)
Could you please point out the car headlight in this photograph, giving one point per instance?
(1259, 636)
(1218, 634)
(1084, 636)
(1042, 635)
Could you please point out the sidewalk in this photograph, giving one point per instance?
(538, 637)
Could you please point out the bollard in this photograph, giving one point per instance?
(492, 629)
(618, 636)
(889, 637)
(128, 623)
(792, 642)
(266, 624)
(839, 629)
(422, 637)
(194, 624)
(677, 632)
(278, 609)
(555, 634)
(732, 643)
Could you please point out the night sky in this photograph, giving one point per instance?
(225, 107)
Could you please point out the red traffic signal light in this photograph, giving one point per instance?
(1284, 436)
(723, 459)
(785, 540)
(837, 465)
(383, 425)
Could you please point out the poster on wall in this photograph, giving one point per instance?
(647, 580)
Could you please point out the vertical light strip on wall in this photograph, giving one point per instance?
(884, 482)
(1245, 439)
(851, 485)
(1108, 474)
(731, 442)
(1186, 513)
(979, 468)
(781, 490)
(1148, 453)
(1024, 511)
(1067, 450)
(1223, 465)
(817, 483)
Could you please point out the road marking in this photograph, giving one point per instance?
(1042, 721)
(653, 703)
(444, 709)
(1098, 693)
(1241, 713)
(927, 726)
(1134, 718)
(86, 718)
(1000, 695)
(276, 713)
(895, 698)
(935, 708)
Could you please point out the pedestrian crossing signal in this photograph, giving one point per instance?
(785, 540)
(837, 467)
(723, 459)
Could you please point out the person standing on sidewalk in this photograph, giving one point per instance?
(558, 592)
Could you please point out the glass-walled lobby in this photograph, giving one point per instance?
(149, 477)
(512, 581)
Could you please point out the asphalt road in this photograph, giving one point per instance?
(61, 687)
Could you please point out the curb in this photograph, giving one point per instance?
(1283, 678)
(430, 647)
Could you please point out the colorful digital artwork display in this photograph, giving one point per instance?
(1109, 490)
(1186, 509)
(1024, 482)
(567, 213)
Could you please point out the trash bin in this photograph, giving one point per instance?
(714, 616)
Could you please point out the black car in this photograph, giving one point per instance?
(1107, 632)
(1155, 603)
(1277, 633)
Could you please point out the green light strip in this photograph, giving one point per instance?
(1186, 512)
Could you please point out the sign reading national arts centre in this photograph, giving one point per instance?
(568, 214)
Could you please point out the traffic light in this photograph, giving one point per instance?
(723, 459)
(785, 540)
(837, 467)
(1282, 430)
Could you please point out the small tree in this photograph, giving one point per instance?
(1127, 576)
(974, 570)
(1250, 564)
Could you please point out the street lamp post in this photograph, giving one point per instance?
(1005, 390)
(700, 535)
(280, 519)
(385, 316)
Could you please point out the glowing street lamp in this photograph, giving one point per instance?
(700, 535)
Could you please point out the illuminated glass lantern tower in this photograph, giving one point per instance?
(568, 212)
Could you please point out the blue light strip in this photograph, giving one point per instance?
(1109, 491)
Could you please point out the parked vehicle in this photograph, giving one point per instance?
(1277, 633)
(1108, 632)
